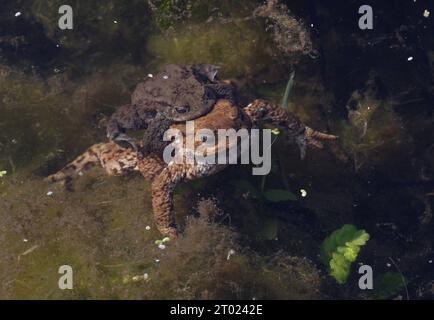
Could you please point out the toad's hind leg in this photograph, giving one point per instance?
(163, 187)
(114, 159)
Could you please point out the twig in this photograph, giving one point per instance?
(33, 248)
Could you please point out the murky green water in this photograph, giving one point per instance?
(58, 87)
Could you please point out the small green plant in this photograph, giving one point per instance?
(289, 85)
(272, 195)
(340, 249)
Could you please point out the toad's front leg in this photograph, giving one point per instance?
(264, 112)
(153, 137)
(127, 117)
(163, 187)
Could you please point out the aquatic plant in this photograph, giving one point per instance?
(40, 116)
(169, 13)
(340, 249)
(288, 88)
(248, 52)
(389, 284)
(372, 129)
(99, 231)
(290, 35)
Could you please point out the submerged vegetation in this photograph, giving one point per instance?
(340, 250)
(244, 237)
(208, 261)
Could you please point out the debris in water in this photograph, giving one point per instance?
(161, 246)
(27, 251)
(426, 13)
(230, 253)
(49, 193)
(140, 277)
(303, 193)
(147, 228)
(162, 241)
(17, 14)
(275, 131)
(410, 59)
(3, 173)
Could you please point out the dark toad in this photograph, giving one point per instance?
(179, 93)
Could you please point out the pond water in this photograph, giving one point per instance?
(372, 88)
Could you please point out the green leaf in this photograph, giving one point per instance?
(246, 186)
(341, 248)
(289, 85)
(279, 195)
(389, 284)
(270, 229)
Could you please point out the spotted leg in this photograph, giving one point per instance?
(114, 159)
(163, 187)
(265, 112)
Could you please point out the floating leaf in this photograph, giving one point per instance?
(3, 173)
(389, 284)
(279, 195)
(340, 249)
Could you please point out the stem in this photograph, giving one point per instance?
(402, 277)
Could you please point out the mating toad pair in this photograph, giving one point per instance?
(167, 100)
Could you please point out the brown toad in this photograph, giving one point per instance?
(165, 176)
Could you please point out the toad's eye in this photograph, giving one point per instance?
(262, 111)
(182, 109)
(209, 94)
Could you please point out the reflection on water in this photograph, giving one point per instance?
(58, 87)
